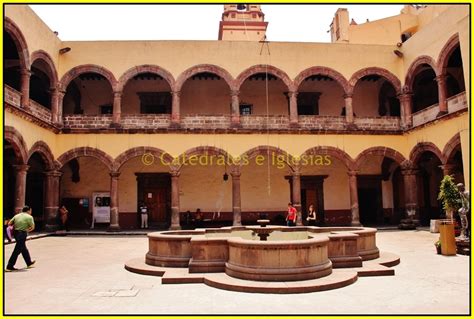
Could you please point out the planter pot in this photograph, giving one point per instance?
(448, 242)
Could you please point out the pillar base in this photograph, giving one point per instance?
(175, 227)
(441, 113)
(175, 125)
(115, 125)
(294, 125)
(113, 228)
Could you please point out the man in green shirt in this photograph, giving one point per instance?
(23, 223)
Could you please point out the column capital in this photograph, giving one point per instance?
(441, 78)
(234, 92)
(409, 171)
(53, 173)
(176, 93)
(235, 172)
(114, 174)
(297, 170)
(293, 94)
(117, 94)
(21, 167)
(25, 72)
(347, 95)
(352, 172)
(175, 173)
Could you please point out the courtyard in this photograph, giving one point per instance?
(86, 275)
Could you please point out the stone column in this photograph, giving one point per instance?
(20, 186)
(51, 202)
(442, 95)
(117, 109)
(409, 174)
(235, 116)
(405, 109)
(61, 95)
(114, 209)
(54, 104)
(25, 87)
(175, 222)
(293, 108)
(236, 199)
(296, 194)
(354, 196)
(175, 109)
(349, 109)
(447, 169)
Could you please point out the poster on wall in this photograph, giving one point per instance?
(100, 208)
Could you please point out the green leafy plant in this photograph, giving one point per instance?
(449, 196)
(438, 244)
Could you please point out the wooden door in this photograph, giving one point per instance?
(156, 201)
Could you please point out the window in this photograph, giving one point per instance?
(106, 109)
(308, 103)
(155, 102)
(245, 109)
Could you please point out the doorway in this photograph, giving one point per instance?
(370, 199)
(154, 189)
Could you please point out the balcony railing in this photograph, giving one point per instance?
(205, 121)
(455, 103)
(145, 121)
(13, 97)
(81, 121)
(261, 122)
(384, 123)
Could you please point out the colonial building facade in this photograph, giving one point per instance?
(363, 127)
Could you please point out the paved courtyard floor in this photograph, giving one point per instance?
(86, 275)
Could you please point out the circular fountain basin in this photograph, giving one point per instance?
(286, 260)
(291, 253)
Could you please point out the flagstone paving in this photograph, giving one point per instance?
(86, 275)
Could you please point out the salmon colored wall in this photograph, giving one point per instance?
(130, 98)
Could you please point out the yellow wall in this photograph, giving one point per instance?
(94, 177)
(37, 34)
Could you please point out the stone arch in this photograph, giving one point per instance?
(422, 147)
(200, 150)
(185, 75)
(158, 154)
(44, 152)
(450, 148)
(446, 51)
(322, 70)
(19, 146)
(265, 149)
(380, 151)
(411, 72)
(334, 152)
(86, 151)
(85, 68)
(20, 42)
(389, 76)
(146, 68)
(261, 68)
(52, 71)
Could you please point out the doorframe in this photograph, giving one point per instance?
(160, 180)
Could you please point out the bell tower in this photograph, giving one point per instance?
(242, 22)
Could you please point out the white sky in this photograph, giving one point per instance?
(294, 23)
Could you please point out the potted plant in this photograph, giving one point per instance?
(438, 247)
(449, 196)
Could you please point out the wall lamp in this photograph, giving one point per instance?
(398, 53)
(64, 50)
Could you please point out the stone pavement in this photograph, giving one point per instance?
(86, 275)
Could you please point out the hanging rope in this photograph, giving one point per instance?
(265, 42)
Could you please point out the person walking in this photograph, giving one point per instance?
(311, 219)
(144, 215)
(291, 215)
(23, 224)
